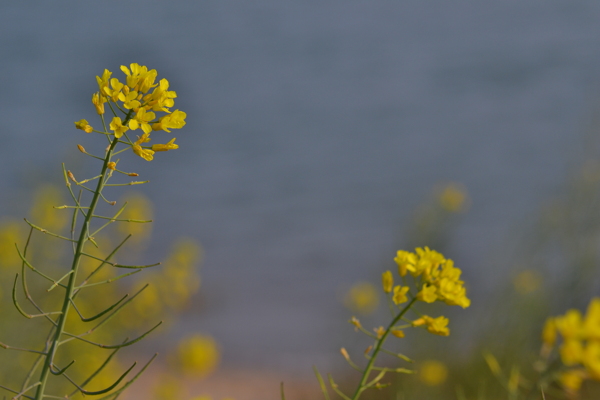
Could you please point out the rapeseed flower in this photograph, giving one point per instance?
(117, 126)
(84, 126)
(441, 280)
(580, 347)
(433, 372)
(387, 280)
(139, 98)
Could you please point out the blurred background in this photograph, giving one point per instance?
(320, 139)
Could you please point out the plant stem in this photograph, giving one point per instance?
(71, 285)
(378, 346)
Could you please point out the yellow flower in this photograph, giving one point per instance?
(84, 126)
(111, 165)
(591, 323)
(198, 355)
(146, 154)
(399, 296)
(405, 261)
(571, 352)
(591, 359)
(527, 281)
(571, 379)
(436, 326)
(453, 197)
(570, 324)
(439, 326)
(139, 78)
(433, 372)
(362, 298)
(98, 100)
(161, 98)
(399, 333)
(427, 294)
(142, 118)
(379, 332)
(355, 322)
(103, 82)
(164, 147)
(175, 120)
(130, 100)
(114, 90)
(387, 281)
(117, 127)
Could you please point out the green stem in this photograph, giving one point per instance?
(378, 347)
(59, 330)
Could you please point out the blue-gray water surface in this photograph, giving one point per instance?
(313, 131)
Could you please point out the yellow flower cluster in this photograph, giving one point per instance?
(139, 99)
(580, 347)
(440, 280)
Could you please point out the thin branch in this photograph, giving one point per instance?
(35, 270)
(20, 310)
(7, 347)
(111, 221)
(108, 280)
(114, 346)
(104, 262)
(47, 232)
(127, 184)
(97, 315)
(99, 392)
(60, 371)
(122, 220)
(125, 386)
(95, 373)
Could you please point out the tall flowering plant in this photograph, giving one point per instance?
(426, 276)
(141, 103)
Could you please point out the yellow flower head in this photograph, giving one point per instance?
(387, 280)
(362, 298)
(84, 126)
(165, 147)
(399, 296)
(433, 372)
(146, 154)
(98, 101)
(591, 323)
(379, 332)
(117, 127)
(405, 261)
(427, 294)
(453, 197)
(437, 326)
(142, 119)
(175, 120)
(198, 355)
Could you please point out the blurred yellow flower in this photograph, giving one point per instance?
(527, 281)
(399, 296)
(453, 197)
(197, 355)
(433, 372)
(572, 379)
(362, 298)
